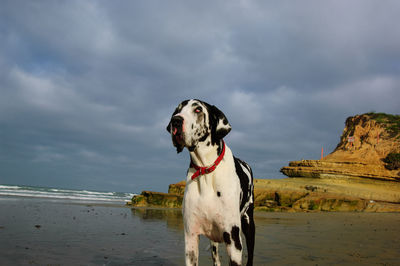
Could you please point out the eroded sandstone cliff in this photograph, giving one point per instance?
(300, 194)
(366, 141)
(354, 177)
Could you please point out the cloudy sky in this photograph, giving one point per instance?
(88, 87)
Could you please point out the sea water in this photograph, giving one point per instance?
(64, 194)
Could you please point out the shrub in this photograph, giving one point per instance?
(392, 161)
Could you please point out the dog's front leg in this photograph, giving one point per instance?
(191, 249)
(214, 253)
(234, 246)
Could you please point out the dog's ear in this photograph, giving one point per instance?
(219, 124)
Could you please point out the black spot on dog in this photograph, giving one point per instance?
(203, 138)
(219, 149)
(236, 237)
(218, 194)
(192, 257)
(214, 250)
(245, 181)
(180, 107)
(233, 263)
(192, 148)
(227, 238)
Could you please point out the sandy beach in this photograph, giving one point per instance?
(50, 232)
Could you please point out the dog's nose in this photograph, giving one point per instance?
(177, 122)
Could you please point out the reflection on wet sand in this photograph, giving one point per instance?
(173, 217)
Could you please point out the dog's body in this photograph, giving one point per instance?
(218, 200)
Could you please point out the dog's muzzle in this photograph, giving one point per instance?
(177, 130)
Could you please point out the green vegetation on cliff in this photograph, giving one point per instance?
(391, 122)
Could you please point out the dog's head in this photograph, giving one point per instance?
(195, 121)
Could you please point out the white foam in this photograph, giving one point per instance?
(68, 194)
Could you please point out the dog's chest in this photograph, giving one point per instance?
(211, 203)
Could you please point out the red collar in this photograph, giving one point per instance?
(200, 170)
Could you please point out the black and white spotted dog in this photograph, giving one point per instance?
(218, 200)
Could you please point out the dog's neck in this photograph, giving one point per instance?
(205, 155)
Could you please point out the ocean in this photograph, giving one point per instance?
(65, 194)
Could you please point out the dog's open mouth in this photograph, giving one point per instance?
(177, 136)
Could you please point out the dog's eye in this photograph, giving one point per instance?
(198, 110)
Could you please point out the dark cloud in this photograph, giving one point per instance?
(87, 88)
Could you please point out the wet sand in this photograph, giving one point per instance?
(43, 232)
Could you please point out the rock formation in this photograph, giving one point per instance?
(354, 177)
(300, 194)
(157, 199)
(366, 140)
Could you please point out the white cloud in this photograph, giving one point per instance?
(41, 92)
(244, 108)
(379, 93)
(46, 154)
(128, 129)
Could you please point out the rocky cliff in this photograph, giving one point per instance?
(299, 194)
(361, 174)
(365, 143)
